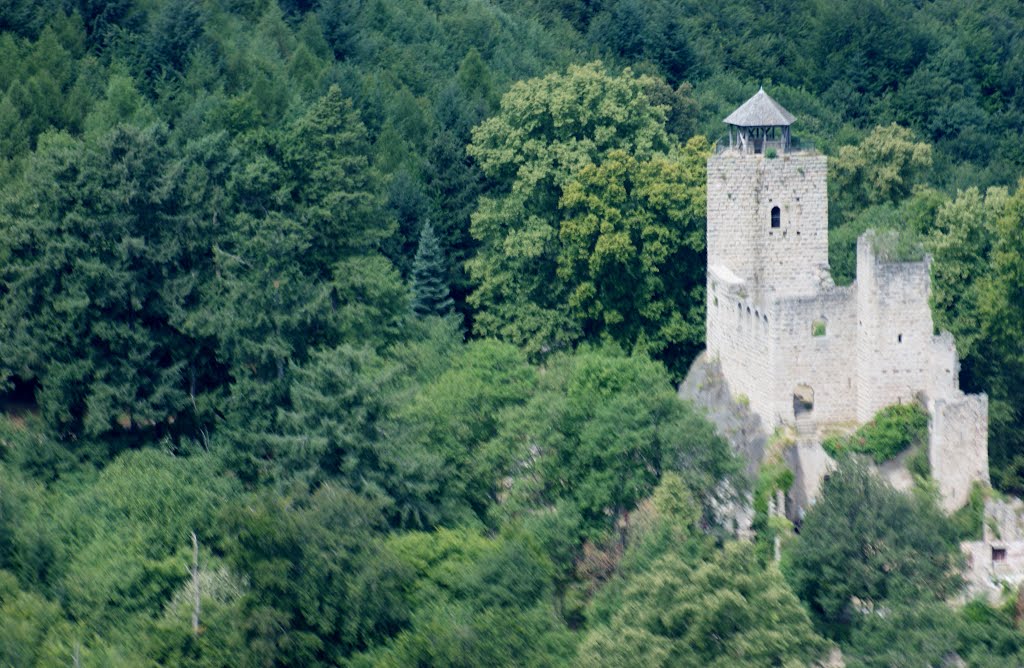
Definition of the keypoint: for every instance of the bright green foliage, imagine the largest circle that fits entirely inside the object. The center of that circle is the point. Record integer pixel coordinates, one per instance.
(1000, 358)
(882, 168)
(429, 287)
(976, 275)
(475, 601)
(893, 429)
(29, 548)
(599, 433)
(960, 243)
(929, 634)
(26, 444)
(668, 523)
(316, 588)
(596, 226)
(896, 245)
(462, 636)
(126, 535)
(910, 222)
(773, 477)
(969, 518)
(221, 642)
(730, 611)
(209, 215)
(31, 625)
(453, 417)
(864, 539)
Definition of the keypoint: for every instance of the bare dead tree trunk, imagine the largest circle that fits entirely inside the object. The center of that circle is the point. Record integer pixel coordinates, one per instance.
(195, 584)
(76, 660)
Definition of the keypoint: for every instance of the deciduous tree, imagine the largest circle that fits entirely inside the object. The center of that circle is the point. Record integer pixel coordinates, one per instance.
(596, 225)
(864, 540)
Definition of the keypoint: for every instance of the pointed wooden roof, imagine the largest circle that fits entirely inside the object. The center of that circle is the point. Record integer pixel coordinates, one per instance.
(760, 111)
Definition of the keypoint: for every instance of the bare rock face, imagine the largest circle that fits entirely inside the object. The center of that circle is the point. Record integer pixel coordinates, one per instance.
(705, 386)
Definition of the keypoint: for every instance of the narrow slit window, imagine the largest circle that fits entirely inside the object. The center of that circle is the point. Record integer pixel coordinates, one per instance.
(776, 217)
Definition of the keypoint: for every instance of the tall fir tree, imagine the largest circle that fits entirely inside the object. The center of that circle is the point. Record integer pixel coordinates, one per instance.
(430, 290)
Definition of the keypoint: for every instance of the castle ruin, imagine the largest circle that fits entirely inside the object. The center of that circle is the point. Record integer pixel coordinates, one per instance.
(803, 351)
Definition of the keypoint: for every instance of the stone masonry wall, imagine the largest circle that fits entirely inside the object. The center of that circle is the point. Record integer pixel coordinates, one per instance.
(742, 190)
(823, 363)
(738, 336)
(944, 382)
(895, 339)
(958, 446)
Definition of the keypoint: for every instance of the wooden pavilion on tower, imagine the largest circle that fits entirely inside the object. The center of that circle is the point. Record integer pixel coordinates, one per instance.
(760, 124)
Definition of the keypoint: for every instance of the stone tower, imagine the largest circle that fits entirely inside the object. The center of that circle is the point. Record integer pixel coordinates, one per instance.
(767, 204)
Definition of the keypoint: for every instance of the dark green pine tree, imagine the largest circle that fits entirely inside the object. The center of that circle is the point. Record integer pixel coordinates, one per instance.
(430, 290)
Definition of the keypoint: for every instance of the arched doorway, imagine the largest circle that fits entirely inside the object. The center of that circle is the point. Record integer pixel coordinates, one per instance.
(803, 400)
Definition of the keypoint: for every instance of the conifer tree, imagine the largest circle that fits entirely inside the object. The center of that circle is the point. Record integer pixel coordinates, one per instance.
(430, 290)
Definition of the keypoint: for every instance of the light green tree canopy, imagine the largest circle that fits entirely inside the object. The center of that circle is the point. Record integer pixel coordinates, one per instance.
(882, 168)
(864, 539)
(596, 225)
(599, 433)
(729, 611)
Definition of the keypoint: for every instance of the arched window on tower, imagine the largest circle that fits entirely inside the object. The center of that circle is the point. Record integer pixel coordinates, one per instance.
(776, 217)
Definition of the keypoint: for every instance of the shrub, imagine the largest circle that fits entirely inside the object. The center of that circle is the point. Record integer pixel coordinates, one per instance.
(892, 430)
(773, 476)
(969, 519)
(918, 464)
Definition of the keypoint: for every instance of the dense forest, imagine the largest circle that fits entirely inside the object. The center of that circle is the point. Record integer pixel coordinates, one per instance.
(345, 332)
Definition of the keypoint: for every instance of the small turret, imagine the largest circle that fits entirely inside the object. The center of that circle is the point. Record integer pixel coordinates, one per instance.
(760, 124)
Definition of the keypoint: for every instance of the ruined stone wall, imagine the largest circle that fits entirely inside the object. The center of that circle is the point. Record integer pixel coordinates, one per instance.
(742, 190)
(958, 446)
(1004, 521)
(824, 363)
(738, 336)
(997, 559)
(944, 382)
(766, 352)
(895, 341)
